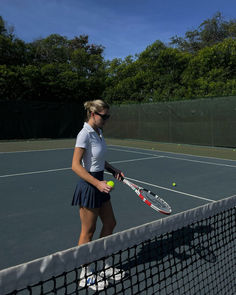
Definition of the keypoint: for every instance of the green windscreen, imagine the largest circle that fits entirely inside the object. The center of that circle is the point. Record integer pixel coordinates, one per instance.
(200, 121)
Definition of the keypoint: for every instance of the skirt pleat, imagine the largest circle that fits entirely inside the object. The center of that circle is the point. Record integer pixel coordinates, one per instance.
(87, 195)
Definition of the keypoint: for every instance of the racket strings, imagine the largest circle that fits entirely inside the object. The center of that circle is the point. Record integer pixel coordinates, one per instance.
(155, 200)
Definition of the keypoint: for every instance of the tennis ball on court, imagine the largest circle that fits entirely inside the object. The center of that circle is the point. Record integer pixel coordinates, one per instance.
(111, 183)
(174, 184)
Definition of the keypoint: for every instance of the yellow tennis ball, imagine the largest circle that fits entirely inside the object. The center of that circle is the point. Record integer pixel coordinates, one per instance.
(174, 184)
(111, 183)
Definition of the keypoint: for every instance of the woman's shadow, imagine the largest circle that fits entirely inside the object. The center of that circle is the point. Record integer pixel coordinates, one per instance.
(181, 244)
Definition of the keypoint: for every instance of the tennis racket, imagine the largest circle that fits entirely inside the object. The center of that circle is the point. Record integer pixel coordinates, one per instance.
(149, 198)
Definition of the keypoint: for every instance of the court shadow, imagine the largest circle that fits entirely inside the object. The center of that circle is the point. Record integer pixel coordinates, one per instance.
(190, 243)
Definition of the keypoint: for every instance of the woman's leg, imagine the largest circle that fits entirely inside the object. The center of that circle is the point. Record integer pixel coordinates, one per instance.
(109, 222)
(88, 219)
(108, 219)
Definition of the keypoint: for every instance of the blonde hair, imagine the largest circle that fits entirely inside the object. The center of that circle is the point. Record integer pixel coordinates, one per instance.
(96, 105)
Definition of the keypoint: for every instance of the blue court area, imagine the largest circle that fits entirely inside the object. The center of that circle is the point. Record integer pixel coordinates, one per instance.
(36, 187)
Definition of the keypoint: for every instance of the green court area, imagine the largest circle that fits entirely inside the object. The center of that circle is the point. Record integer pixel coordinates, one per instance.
(189, 252)
(205, 151)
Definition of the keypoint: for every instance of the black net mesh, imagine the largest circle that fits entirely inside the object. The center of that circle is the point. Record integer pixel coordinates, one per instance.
(199, 258)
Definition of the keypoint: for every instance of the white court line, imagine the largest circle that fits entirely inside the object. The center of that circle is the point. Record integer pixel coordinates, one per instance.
(168, 152)
(161, 187)
(62, 169)
(183, 159)
(30, 151)
(202, 162)
(134, 152)
(133, 160)
(168, 189)
(35, 172)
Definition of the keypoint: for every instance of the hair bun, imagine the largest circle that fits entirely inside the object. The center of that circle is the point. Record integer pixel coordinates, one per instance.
(96, 105)
(87, 105)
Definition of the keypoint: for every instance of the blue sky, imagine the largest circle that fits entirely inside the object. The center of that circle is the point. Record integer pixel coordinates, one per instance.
(123, 27)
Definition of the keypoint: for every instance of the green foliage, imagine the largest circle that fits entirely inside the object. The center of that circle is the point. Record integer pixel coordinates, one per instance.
(162, 73)
(9, 81)
(12, 52)
(57, 69)
(52, 49)
(209, 33)
(210, 71)
(155, 75)
(53, 69)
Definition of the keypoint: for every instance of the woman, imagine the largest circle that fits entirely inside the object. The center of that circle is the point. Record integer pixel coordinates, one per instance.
(92, 192)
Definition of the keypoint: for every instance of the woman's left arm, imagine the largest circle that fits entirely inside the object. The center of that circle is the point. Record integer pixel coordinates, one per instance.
(118, 174)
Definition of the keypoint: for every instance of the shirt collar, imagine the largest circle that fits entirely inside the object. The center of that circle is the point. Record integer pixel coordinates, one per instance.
(89, 128)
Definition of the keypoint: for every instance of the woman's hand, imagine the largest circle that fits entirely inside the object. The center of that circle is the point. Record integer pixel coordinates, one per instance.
(118, 174)
(103, 187)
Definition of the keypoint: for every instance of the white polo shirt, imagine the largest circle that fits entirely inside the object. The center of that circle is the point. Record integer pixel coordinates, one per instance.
(95, 148)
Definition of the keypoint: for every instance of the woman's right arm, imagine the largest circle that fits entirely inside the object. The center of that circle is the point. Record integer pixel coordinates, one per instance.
(82, 172)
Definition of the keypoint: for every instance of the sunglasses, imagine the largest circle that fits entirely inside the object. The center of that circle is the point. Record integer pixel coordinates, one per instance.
(104, 117)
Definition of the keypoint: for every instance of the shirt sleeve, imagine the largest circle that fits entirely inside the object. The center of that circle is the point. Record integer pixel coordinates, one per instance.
(82, 140)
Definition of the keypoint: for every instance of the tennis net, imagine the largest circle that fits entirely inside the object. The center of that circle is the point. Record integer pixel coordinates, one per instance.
(193, 252)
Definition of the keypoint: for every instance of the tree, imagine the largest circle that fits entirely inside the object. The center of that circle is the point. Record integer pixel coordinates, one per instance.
(52, 49)
(81, 42)
(6, 30)
(55, 68)
(210, 32)
(212, 71)
(3, 30)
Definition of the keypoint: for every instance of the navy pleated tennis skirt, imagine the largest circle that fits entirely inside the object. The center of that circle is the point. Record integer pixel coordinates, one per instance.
(87, 195)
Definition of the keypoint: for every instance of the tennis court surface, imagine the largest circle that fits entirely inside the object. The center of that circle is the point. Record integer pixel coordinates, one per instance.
(193, 251)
